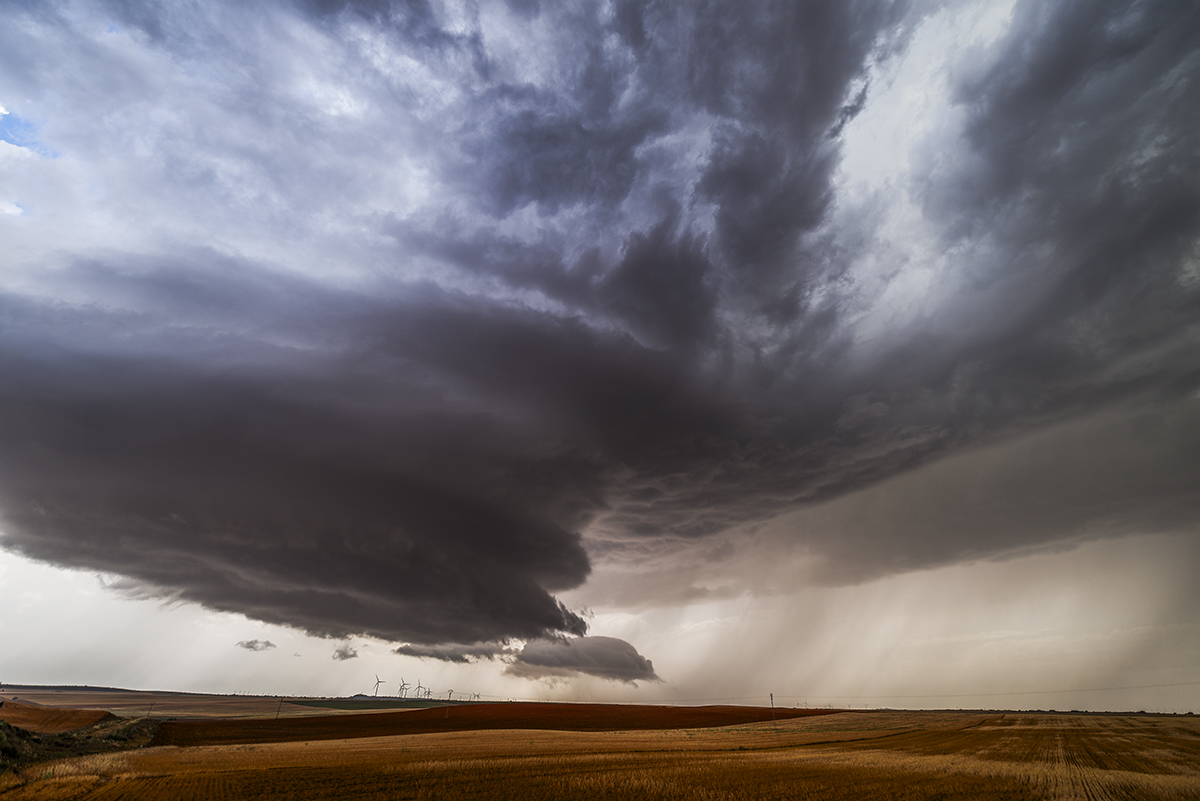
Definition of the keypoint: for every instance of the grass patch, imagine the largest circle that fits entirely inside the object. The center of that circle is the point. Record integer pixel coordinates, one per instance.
(20, 748)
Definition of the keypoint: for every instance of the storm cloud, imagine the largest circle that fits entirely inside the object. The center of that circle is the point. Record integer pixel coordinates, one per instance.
(453, 652)
(389, 319)
(554, 660)
(603, 657)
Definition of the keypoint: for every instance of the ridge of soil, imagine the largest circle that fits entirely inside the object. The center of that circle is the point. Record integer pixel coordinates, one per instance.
(469, 717)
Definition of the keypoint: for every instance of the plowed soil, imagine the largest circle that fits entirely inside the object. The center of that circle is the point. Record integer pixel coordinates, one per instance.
(468, 717)
(48, 720)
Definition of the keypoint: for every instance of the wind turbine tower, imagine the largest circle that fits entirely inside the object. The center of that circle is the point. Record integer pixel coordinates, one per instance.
(378, 681)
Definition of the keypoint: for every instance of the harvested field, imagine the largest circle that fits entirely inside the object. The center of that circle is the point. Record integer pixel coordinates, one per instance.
(894, 755)
(468, 717)
(48, 720)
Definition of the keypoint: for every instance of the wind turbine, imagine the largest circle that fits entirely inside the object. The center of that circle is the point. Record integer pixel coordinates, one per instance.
(378, 681)
(403, 687)
(417, 689)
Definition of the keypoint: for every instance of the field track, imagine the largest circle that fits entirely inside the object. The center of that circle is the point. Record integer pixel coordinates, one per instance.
(469, 717)
(48, 720)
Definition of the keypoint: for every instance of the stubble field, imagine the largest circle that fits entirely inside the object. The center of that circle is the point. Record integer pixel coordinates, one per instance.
(885, 755)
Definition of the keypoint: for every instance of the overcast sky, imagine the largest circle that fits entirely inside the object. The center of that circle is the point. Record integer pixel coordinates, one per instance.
(843, 350)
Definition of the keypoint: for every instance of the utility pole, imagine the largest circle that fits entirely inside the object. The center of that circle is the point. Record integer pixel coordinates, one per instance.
(772, 707)
(278, 708)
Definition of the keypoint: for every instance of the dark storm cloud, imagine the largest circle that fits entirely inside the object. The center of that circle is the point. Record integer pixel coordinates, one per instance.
(764, 84)
(603, 657)
(256, 645)
(453, 652)
(625, 299)
(311, 491)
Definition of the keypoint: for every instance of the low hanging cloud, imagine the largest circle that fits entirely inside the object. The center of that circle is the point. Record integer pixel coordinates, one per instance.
(454, 652)
(344, 652)
(602, 657)
(256, 645)
(555, 660)
(589, 279)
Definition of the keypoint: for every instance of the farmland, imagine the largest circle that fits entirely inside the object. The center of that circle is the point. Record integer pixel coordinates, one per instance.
(505, 751)
(135, 703)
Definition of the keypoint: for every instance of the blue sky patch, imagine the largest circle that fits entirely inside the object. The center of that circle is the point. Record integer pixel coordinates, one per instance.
(23, 133)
